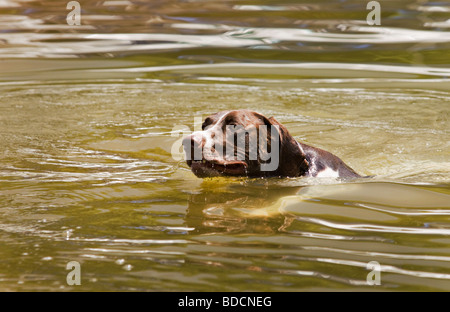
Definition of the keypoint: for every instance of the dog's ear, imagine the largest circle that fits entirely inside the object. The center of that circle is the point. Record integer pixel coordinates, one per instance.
(293, 161)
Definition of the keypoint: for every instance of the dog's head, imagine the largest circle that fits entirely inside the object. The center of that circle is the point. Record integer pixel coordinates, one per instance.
(243, 143)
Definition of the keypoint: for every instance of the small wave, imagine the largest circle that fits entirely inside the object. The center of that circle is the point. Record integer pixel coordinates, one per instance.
(101, 168)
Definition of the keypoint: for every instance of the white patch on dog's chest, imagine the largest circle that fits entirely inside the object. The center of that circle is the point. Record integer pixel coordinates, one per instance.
(328, 173)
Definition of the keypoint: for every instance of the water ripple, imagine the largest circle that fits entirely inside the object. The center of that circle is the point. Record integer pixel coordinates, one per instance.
(375, 228)
(100, 167)
(301, 69)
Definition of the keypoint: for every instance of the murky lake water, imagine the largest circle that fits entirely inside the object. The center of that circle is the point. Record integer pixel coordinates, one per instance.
(89, 118)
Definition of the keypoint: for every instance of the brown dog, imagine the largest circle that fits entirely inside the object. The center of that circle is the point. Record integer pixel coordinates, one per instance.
(246, 143)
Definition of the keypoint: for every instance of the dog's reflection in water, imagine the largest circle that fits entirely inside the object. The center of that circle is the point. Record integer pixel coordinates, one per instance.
(237, 209)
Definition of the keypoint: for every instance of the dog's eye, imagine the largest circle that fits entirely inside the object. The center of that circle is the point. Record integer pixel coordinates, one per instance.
(206, 123)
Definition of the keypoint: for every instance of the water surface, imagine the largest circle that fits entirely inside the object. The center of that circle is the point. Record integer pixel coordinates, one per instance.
(91, 115)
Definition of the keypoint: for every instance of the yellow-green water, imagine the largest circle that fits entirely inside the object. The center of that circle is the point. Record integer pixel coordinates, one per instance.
(89, 118)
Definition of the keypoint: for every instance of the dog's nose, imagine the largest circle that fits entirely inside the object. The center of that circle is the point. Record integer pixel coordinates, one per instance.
(192, 145)
(193, 140)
